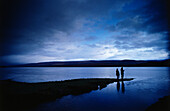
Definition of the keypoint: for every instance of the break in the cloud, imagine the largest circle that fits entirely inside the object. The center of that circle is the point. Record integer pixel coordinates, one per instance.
(56, 30)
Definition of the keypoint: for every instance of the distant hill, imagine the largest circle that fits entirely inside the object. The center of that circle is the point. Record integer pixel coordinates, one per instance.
(102, 63)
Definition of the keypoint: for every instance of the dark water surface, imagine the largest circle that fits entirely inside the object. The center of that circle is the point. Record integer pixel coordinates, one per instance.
(150, 83)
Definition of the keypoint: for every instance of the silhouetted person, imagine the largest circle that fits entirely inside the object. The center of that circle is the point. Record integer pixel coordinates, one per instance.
(123, 87)
(117, 73)
(122, 72)
(118, 86)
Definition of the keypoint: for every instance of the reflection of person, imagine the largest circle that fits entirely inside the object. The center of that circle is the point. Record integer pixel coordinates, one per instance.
(123, 87)
(118, 86)
(117, 73)
(122, 72)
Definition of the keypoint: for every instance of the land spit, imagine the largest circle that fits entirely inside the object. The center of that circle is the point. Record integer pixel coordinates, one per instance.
(22, 96)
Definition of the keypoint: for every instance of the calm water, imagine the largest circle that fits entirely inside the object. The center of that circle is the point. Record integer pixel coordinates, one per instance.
(150, 83)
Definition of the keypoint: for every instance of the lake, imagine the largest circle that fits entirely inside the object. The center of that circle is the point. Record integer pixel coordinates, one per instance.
(150, 84)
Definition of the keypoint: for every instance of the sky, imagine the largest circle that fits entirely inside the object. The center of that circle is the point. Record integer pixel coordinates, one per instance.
(73, 30)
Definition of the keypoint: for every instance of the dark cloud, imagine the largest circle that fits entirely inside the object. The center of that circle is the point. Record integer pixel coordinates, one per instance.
(151, 18)
(90, 38)
(34, 20)
(93, 46)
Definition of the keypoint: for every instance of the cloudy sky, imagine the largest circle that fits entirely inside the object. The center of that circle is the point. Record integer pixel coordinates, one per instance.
(64, 30)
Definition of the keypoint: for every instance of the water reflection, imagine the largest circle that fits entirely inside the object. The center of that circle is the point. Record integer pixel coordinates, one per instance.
(118, 86)
(122, 86)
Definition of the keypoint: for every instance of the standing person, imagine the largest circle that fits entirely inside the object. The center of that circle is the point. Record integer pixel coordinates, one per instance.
(122, 72)
(117, 73)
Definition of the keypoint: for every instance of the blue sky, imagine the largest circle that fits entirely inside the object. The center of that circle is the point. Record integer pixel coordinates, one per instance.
(66, 30)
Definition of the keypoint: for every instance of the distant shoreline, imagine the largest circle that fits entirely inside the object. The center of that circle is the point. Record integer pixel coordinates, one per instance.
(102, 63)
